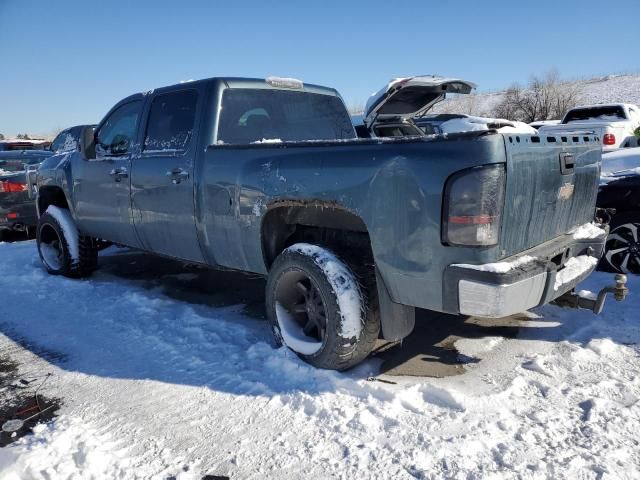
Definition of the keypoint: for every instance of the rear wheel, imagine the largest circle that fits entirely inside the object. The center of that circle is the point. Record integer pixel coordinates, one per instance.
(62, 250)
(622, 249)
(318, 308)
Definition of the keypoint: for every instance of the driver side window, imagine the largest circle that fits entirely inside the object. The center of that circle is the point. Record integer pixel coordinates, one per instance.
(117, 133)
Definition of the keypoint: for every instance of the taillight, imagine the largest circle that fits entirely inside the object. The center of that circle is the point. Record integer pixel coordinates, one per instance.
(12, 187)
(608, 139)
(473, 202)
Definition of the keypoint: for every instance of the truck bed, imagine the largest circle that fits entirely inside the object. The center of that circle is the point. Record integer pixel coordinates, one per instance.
(395, 186)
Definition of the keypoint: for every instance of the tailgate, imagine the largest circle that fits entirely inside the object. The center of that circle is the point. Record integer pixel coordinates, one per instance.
(545, 197)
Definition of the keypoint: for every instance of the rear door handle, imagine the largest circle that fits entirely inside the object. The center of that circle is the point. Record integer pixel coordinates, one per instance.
(119, 173)
(177, 175)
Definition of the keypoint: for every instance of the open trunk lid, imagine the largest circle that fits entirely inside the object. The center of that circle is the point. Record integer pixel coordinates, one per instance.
(406, 98)
(552, 187)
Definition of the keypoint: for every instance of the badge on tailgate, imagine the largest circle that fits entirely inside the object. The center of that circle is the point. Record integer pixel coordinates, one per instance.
(566, 190)
(567, 165)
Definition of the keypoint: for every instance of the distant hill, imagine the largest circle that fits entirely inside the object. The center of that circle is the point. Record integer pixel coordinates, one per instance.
(609, 89)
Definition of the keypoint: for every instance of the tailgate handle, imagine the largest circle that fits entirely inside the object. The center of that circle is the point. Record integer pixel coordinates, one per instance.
(567, 163)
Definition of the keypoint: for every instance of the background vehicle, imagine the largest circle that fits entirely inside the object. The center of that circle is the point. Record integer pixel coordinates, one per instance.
(17, 168)
(15, 144)
(267, 176)
(17, 206)
(620, 190)
(400, 110)
(613, 123)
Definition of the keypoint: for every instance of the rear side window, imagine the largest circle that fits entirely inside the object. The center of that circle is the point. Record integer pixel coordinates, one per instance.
(171, 121)
(264, 115)
(118, 131)
(605, 113)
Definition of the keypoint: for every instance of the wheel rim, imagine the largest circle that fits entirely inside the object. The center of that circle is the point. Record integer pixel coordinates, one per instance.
(301, 312)
(623, 249)
(50, 246)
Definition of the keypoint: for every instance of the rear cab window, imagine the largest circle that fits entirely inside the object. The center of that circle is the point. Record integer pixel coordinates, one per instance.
(611, 113)
(270, 116)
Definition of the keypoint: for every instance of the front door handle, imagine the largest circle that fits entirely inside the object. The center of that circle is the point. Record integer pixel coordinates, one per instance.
(119, 173)
(177, 175)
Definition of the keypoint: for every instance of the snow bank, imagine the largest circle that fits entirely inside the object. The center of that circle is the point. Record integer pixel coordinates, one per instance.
(498, 267)
(343, 284)
(65, 448)
(155, 387)
(574, 267)
(477, 347)
(69, 228)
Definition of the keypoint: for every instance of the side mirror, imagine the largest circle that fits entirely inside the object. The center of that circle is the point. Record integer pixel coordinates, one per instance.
(87, 143)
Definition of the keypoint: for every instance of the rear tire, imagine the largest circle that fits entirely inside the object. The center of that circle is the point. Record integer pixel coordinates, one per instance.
(318, 308)
(56, 244)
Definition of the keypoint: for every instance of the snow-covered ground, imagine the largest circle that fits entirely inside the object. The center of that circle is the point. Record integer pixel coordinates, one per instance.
(608, 89)
(154, 387)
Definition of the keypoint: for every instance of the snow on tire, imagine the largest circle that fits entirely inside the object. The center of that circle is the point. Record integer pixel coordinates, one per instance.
(62, 250)
(318, 309)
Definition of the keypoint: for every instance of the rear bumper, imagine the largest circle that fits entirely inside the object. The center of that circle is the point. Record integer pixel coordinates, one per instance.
(536, 277)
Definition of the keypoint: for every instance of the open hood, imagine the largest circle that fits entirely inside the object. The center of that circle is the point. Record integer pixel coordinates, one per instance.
(411, 96)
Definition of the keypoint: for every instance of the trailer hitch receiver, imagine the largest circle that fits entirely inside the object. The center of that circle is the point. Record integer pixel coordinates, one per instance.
(595, 303)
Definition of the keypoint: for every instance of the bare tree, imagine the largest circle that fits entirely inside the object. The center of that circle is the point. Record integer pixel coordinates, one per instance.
(1, 136)
(545, 98)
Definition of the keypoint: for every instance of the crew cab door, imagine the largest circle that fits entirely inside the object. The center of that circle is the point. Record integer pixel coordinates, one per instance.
(162, 180)
(101, 180)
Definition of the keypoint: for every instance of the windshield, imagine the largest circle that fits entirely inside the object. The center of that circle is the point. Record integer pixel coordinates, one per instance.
(605, 113)
(271, 116)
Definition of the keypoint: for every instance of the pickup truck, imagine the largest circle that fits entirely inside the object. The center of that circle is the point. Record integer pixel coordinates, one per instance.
(613, 123)
(267, 176)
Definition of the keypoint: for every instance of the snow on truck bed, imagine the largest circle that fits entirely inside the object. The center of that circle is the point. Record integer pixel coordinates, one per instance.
(153, 387)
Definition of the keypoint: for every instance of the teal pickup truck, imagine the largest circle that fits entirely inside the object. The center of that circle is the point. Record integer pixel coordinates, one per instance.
(267, 176)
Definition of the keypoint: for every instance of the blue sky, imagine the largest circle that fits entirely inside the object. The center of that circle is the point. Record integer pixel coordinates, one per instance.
(67, 62)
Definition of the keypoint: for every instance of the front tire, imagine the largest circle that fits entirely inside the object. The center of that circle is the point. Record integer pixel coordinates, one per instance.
(318, 308)
(62, 250)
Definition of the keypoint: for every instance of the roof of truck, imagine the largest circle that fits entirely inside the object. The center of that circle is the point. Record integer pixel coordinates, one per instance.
(246, 82)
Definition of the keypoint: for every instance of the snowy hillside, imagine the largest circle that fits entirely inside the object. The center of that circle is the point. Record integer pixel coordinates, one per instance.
(153, 386)
(612, 88)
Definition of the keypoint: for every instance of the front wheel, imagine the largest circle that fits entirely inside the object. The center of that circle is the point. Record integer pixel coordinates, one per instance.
(62, 250)
(318, 309)
(622, 249)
